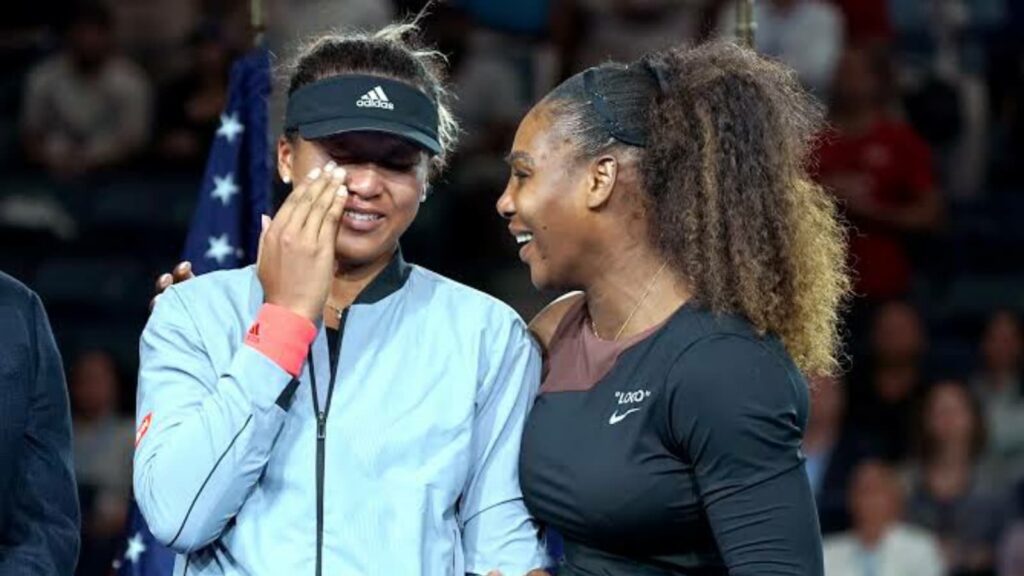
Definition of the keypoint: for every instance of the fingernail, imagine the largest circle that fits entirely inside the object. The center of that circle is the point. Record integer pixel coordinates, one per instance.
(330, 166)
(342, 190)
(165, 279)
(339, 173)
(265, 221)
(185, 265)
(314, 173)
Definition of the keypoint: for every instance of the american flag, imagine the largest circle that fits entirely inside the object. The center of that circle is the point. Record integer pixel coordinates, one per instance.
(236, 185)
(224, 234)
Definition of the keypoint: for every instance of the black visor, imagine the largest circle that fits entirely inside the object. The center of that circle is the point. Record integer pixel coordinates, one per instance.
(361, 103)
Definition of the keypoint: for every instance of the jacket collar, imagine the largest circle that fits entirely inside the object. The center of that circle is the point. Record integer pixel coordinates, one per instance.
(390, 280)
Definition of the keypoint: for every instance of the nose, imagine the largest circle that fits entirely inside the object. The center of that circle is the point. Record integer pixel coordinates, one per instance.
(364, 180)
(505, 205)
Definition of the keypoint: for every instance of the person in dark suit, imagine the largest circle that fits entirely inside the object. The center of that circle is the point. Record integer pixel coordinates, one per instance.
(39, 515)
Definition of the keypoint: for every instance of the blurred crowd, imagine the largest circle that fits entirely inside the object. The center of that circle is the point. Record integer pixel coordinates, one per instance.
(915, 452)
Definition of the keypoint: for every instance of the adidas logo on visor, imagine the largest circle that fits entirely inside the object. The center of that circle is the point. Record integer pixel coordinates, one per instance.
(375, 98)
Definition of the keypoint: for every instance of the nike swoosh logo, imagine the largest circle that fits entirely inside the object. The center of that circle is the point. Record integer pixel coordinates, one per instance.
(615, 418)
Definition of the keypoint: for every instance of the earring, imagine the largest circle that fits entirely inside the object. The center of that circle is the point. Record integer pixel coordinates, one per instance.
(286, 179)
(423, 195)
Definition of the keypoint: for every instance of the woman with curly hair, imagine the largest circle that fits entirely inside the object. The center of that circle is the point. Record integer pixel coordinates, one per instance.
(672, 194)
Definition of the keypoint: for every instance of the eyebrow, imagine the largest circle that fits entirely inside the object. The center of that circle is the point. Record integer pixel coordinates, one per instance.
(521, 157)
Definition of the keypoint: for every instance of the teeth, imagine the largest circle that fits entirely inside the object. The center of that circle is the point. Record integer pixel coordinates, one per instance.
(523, 238)
(361, 217)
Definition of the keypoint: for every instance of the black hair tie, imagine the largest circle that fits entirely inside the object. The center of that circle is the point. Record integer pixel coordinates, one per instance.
(657, 73)
(605, 110)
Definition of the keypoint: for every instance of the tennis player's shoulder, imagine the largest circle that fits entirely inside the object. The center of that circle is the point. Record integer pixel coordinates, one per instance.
(213, 291)
(546, 321)
(432, 285)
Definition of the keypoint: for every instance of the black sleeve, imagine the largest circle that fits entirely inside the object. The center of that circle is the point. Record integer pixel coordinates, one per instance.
(43, 534)
(737, 413)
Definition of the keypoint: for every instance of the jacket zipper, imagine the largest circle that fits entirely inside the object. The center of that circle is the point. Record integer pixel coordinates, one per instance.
(455, 550)
(321, 439)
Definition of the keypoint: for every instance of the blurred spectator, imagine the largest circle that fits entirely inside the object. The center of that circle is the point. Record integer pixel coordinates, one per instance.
(25, 36)
(833, 450)
(867, 21)
(28, 211)
(151, 32)
(888, 379)
(880, 544)
(103, 447)
(1000, 386)
(805, 34)
(296, 19)
(86, 108)
(941, 63)
(950, 496)
(493, 93)
(624, 30)
(881, 171)
(527, 17)
(510, 60)
(947, 32)
(506, 60)
(1011, 552)
(189, 108)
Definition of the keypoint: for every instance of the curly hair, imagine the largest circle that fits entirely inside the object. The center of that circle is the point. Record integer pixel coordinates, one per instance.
(393, 52)
(729, 200)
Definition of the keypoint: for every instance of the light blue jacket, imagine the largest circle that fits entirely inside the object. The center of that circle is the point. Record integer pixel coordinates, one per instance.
(419, 448)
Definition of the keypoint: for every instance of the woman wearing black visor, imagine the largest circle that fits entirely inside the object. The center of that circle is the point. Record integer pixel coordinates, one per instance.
(333, 409)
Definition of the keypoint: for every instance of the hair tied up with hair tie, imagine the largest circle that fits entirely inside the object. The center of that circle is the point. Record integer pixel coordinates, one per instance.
(656, 72)
(593, 81)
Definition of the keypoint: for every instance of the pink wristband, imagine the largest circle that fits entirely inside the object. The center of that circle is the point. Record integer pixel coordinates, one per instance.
(283, 336)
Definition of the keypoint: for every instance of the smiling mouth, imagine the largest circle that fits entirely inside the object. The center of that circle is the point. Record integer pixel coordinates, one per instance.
(362, 216)
(524, 238)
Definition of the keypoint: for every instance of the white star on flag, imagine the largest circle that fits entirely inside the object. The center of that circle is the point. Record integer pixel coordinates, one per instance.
(230, 126)
(135, 548)
(224, 188)
(219, 248)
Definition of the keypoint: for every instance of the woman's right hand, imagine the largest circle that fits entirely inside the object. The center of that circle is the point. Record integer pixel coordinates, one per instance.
(304, 194)
(180, 273)
(296, 259)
